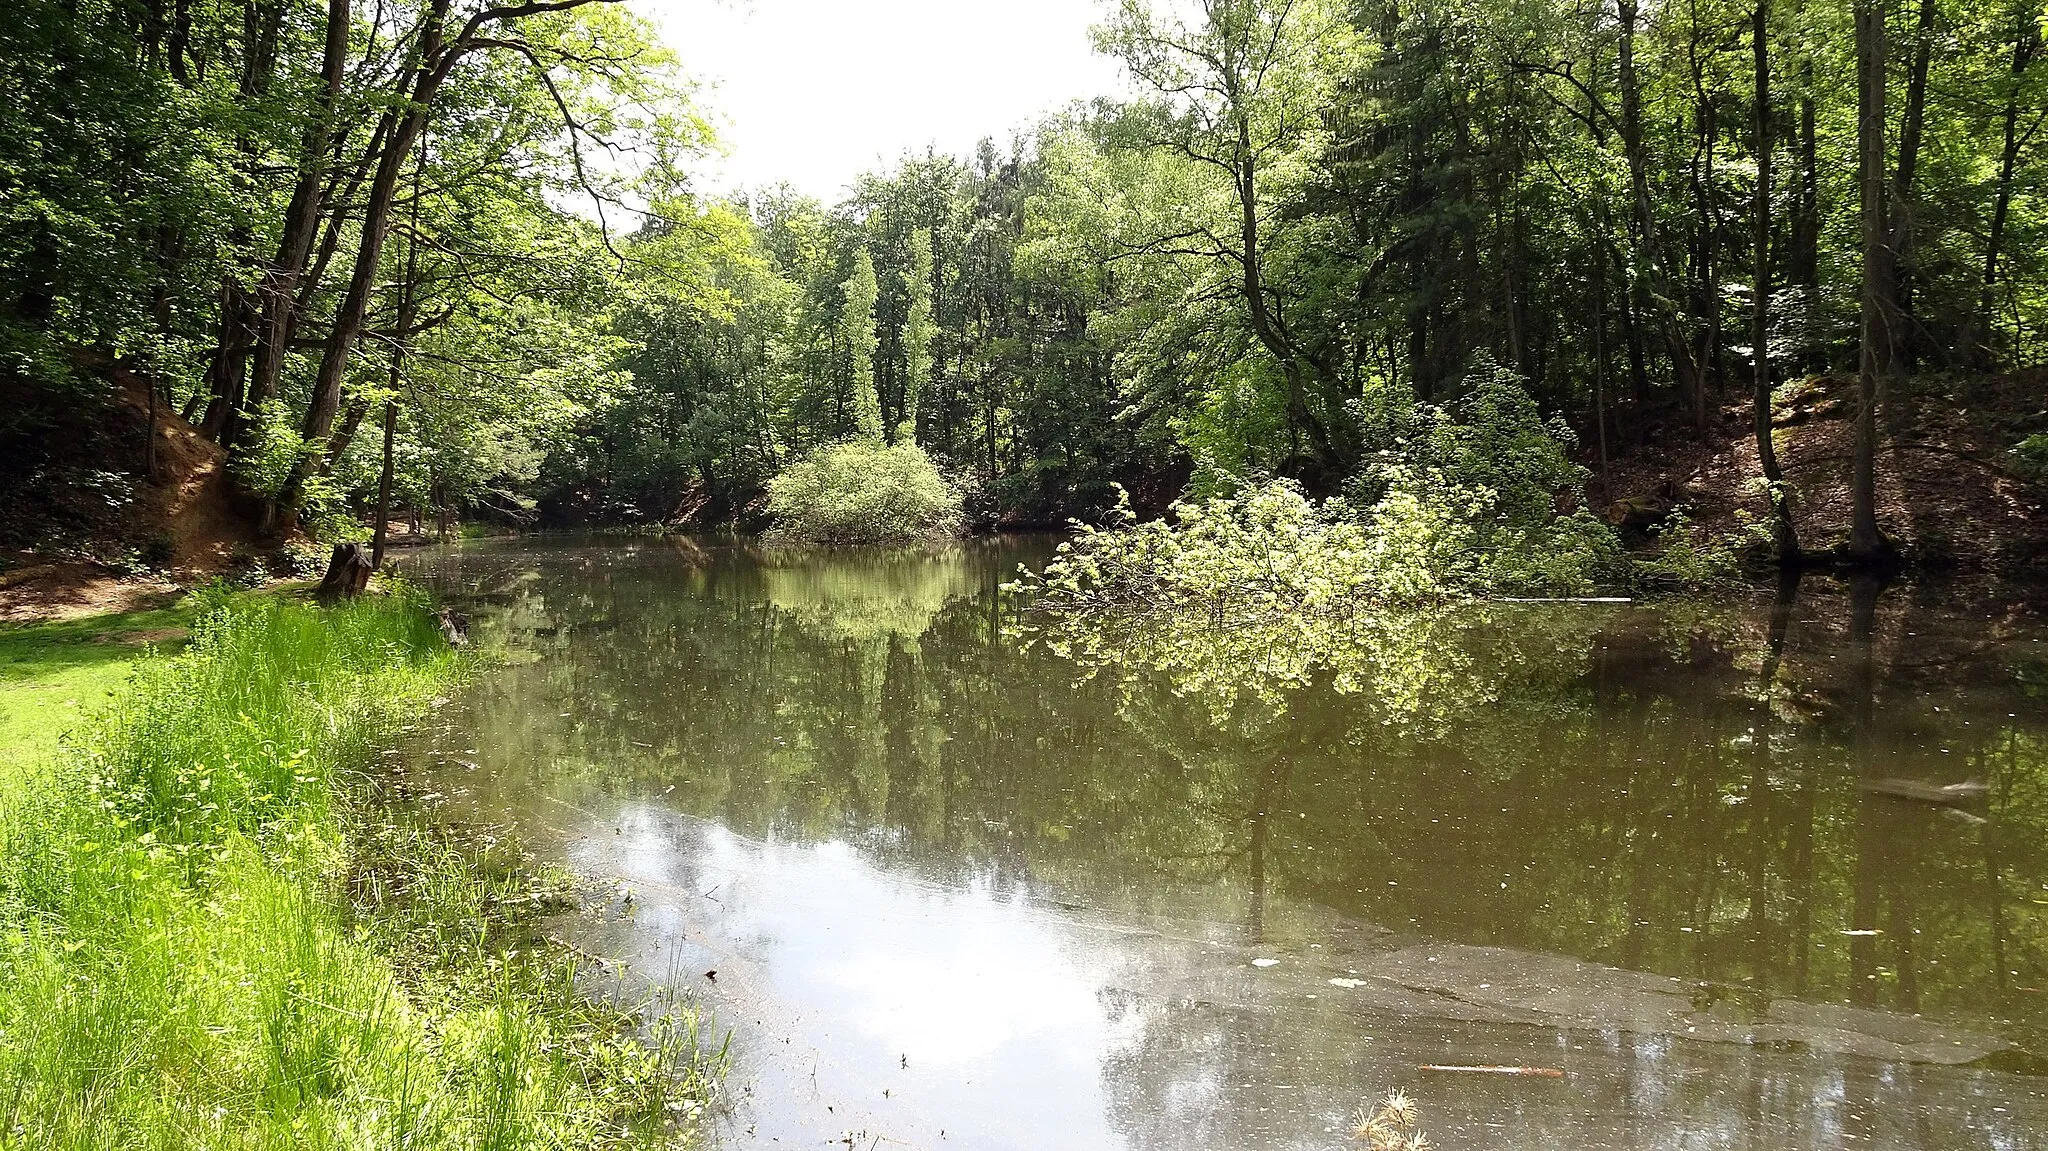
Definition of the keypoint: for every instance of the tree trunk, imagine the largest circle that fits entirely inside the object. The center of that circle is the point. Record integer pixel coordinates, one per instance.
(1299, 416)
(278, 292)
(341, 193)
(2023, 50)
(1803, 265)
(344, 434)
(1901, 208)
(1710, 269)
(1782, 529)
(1707, 286)
(378, 536)
(149, 439)
(348, 573)
(408, 304)
(227, 370)
(1600, 367)
(1877, 358)
(1650, 296)
(424, 81)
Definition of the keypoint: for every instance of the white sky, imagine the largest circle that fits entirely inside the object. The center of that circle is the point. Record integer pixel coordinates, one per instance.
(814, 92)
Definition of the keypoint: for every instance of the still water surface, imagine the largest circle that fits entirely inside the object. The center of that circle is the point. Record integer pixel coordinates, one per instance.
(960, 890)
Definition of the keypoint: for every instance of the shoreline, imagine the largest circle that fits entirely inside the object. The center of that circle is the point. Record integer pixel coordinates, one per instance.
(322, 941)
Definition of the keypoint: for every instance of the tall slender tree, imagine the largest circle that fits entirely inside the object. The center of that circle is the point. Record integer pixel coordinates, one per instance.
(919, 332)
(1878, 326)
(1784, 533)
(857, 332)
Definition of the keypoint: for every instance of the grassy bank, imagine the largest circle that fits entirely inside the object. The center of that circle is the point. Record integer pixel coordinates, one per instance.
(209, 936)
(54, 675)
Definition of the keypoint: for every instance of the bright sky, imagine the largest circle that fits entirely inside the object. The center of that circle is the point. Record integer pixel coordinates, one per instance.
(815, 92)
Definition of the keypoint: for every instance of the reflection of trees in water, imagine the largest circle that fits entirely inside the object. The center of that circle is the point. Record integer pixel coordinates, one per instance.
(1205, 1074)
(1425, 669)
(1672, 790)
(861, 594)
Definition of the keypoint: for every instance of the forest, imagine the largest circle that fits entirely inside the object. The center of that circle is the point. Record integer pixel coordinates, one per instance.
(1387, 524)
(447, 256)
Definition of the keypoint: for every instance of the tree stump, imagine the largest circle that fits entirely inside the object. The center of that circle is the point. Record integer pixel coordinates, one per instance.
(1639, 512)
(348, 573)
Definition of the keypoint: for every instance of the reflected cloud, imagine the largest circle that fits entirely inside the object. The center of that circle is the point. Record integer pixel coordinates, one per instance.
(1040, 871)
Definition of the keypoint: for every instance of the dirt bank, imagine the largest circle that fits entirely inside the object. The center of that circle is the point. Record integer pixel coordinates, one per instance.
(1949, 492)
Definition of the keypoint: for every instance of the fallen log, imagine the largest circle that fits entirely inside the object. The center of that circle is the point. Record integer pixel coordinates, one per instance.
(1921, 791)
(1639, 512)
(1648, 510)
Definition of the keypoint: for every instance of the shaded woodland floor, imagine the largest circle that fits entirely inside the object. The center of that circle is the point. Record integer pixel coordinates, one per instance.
(1949, 495)
(94, 521)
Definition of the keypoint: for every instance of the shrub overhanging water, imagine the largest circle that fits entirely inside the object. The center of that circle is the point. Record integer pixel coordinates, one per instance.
(1469, 502)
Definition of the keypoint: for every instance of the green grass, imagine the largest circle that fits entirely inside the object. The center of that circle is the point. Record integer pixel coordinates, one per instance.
(54, 675)
(210, 937)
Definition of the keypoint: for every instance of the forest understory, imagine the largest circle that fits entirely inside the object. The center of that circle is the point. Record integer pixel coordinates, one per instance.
(1950, 494)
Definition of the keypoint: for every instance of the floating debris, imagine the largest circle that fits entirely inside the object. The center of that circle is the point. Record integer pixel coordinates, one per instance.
(1921, 791)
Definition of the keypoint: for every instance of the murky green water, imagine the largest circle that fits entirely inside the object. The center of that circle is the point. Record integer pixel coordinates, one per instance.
(960, 891)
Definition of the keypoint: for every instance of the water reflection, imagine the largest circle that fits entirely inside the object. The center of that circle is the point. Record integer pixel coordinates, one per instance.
(1041, 868)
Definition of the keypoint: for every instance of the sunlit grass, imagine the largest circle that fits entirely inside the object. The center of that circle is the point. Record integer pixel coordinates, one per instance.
(54, 675)
(208, 939)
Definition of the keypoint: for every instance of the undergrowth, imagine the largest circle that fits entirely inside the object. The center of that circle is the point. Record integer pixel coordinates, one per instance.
(1472, 502)
(208, 936)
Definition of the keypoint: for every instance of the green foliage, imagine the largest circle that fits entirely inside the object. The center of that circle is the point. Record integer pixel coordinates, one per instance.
(919, 330)
(180, 959)
(1685, 555)
(1483, 485)
(272, 447)
(1312, 214)
(300, 561)
(1470, 507)
(863, 491)
(104, 168)
(857, 332)
(2031, 456)
(1414, 196)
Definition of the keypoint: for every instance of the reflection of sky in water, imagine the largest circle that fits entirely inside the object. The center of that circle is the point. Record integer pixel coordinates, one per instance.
(991, 1007)
(947, 976)
(830, 782)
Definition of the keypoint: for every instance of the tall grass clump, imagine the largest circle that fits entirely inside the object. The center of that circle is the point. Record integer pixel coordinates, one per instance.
(863, 491)
(208, 939)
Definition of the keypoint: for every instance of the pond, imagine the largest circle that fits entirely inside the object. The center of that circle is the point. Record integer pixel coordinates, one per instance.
(949, 887)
